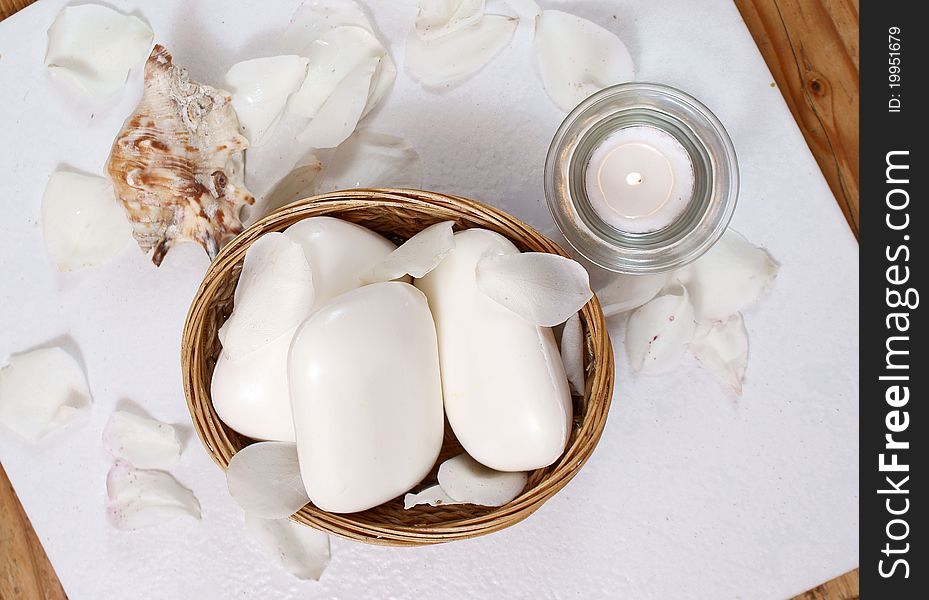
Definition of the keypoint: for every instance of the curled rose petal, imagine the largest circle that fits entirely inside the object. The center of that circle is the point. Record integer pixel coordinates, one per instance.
(371, 159)
(83, 223)
(722, 349)
(454, 57)
(729, 278)
(300, 550)
(468, 481)
(544, 289)
(334, 56)
(260, 89)
(432, 495)
(441, 17)
(576, 58)
(572, 353)
(40, 391)
(658, 332)
(94, 47)
(626, 292)
(264, 479)
(138, 498)
(146, 443)
(274, 294)
(417, 256)
(337, 118)
(383, 79)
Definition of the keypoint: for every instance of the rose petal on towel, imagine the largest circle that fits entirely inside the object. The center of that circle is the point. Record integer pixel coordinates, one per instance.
(626, 292)
(544, 289)
(94, 47)
(339, 115)
(722, 349)
(314, 18)
(139, 498)
(370, 159)
(468, 481)
(442, 17)
(658, 332)
(146, 443)
(576, 57)
(383, 79)
(260, 89)
(729, 278)
(454, 57)
(40, 391)
(296, 185)
(274, 294)
(300, 550)
(572, 353)
(83, 223)
(338, 53)
(264, 479)
(433, 496)
(417, 256)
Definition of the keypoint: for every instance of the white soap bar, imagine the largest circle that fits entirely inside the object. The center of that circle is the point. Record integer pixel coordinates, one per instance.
(506, 394)
(339, 252)
(367, 397)
(250, 393)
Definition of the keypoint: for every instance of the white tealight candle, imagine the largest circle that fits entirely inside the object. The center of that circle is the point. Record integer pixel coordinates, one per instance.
(639, 179)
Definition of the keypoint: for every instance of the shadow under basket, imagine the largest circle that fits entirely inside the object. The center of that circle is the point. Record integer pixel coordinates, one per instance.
(396, 214)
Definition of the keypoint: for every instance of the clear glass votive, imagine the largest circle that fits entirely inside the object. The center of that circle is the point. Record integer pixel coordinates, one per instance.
(697, 226)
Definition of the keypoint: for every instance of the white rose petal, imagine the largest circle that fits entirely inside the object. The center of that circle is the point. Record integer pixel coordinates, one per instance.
(417, 256)
(138, 498)
(94, 47)
(40, 391)
(264, 479)
(722, 349)
(658, 333)
(454, 57)
(83, 222)
(468, 481)
(572, 353)
(576, 58)
(300, 550)
(729, 278)
(544, 289)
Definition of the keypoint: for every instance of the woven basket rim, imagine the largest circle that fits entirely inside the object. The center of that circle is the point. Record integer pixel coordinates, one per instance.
(221, 442)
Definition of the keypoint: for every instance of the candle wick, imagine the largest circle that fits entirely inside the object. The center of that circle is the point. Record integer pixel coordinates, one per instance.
(634, 178)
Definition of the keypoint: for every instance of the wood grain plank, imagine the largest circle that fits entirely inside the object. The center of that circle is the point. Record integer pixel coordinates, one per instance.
(25, 573)
(8, 7)
(811, 48)
(844, 587)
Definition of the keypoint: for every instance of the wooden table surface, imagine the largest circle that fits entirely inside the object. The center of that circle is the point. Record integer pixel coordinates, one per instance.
(811, 47)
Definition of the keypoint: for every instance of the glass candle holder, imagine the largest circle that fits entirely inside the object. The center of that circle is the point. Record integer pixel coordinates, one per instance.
(692, 228)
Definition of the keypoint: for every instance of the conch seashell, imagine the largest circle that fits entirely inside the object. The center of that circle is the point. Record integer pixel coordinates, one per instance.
(177, 164)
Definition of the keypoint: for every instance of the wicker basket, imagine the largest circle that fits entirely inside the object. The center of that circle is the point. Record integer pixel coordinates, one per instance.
(396, 214)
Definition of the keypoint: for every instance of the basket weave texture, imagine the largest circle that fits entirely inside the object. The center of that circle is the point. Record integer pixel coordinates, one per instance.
(396, 214)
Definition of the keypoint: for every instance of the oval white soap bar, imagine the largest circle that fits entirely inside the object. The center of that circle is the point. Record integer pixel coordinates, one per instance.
(506, 394)
(367, 397)
(250, 393)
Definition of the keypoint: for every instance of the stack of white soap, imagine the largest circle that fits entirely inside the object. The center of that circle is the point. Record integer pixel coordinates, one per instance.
(354, 373)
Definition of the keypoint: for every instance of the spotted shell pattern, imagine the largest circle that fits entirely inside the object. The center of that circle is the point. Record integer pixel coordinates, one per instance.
(177, 164)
